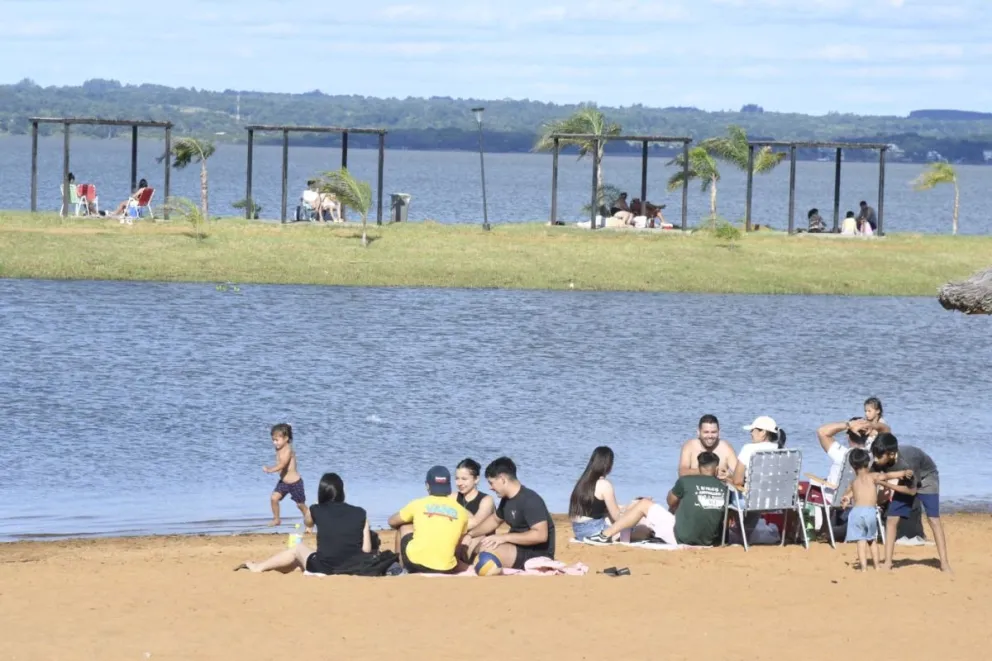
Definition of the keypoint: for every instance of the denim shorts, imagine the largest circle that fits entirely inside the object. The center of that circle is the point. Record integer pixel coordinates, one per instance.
(583, 529)
(862, 524)
(902, 505)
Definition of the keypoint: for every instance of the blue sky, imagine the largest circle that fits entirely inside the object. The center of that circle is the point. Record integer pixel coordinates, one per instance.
(814, 56)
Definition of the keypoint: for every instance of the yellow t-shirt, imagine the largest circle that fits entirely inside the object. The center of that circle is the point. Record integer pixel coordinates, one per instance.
(439, 523)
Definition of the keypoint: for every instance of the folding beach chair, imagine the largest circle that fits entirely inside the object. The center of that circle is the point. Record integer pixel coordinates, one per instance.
(76, 199)
(826, 496)
(91, 199)
(143, 201)
(771, 485)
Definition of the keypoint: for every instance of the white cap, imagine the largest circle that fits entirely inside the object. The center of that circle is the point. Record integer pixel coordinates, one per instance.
(763, 422)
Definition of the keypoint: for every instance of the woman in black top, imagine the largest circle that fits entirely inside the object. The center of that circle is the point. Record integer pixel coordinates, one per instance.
(342, 535)
(593, 505)
(478, 504)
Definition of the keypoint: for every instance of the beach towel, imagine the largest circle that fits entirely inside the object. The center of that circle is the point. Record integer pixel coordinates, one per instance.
(548, 567)
(649, 544)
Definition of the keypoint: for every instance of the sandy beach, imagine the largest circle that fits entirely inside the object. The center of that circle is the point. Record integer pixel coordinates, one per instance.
(178, 598)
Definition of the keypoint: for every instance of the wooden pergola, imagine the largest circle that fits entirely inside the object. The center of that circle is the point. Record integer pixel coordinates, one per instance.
(286, 130)
(840, 147)
(67, 122)
(644, 140)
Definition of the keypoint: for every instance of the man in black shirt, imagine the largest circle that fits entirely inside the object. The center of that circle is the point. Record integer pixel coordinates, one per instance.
(532, 532)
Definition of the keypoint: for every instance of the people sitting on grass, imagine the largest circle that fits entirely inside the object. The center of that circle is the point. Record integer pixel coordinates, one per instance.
(429, 529)
(765, 436)
(867, 221)
(323, 206)
(532, 531)
(815, 220)
(593, 510)
(849, 227)
(695, 507)
(918, 480)
(343, 536)
(707, 440)
(620, 204)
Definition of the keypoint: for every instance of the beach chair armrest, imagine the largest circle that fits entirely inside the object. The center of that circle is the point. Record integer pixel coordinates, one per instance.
(819, 481)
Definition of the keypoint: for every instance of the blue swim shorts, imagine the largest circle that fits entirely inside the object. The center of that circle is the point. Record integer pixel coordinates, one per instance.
(902, 505)
(862, 524)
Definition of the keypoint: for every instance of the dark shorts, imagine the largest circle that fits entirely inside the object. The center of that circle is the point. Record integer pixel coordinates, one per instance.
(525, 553)
(313, 566)
(902, 505)
(294, 491)
(412, 567)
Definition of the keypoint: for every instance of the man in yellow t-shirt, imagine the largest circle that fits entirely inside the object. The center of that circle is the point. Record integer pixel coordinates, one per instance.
(428, 530)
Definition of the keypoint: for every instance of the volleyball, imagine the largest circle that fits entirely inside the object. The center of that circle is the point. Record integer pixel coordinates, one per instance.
(488, 565)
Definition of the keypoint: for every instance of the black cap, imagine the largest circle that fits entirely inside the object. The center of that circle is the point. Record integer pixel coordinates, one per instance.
(439, 481)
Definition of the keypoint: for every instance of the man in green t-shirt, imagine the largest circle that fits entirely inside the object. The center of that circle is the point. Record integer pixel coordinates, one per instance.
(698, 502)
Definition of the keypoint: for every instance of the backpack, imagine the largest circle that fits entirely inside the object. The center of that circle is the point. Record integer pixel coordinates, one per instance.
(368, 564)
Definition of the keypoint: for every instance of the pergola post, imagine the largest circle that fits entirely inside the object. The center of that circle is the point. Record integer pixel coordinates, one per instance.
(837, 190)
(344, 162)
(792, 189)
(134, 158)
(881, 188)
(554, 181)
(65, 172)
(595, 185)
(644, 171)
(685, 187)
(750, 188)
(251, 148)
(168, 171)
(285, 174)
(382, 162)
(34, 166)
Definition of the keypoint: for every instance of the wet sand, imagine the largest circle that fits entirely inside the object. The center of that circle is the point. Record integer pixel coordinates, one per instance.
(178, 598)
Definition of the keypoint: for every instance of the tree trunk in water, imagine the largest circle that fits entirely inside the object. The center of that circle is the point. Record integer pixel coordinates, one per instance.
(203, 190)
(713, 199)
(954, 227)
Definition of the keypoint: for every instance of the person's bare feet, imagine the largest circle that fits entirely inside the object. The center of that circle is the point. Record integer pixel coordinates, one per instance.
(946, 569)
(275, 522)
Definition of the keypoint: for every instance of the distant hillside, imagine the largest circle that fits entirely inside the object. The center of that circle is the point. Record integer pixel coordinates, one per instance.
(447, 123)
(952, 115)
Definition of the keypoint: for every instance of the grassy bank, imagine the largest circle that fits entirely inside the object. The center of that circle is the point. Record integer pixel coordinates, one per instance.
(510, 256)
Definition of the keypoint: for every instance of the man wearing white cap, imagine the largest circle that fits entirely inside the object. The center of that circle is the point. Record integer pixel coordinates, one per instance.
(765, 436)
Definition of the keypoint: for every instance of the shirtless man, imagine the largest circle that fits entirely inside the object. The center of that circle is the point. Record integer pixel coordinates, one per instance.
(708, 440)
(290, 481)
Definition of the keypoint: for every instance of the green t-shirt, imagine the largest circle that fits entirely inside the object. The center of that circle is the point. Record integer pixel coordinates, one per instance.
(699, 518)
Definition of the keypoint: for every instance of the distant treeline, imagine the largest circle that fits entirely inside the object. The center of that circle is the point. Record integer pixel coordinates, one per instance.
(438, 123)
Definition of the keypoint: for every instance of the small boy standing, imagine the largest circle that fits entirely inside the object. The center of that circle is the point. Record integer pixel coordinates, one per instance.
(918, 479)
(862, 522)
(290, 482)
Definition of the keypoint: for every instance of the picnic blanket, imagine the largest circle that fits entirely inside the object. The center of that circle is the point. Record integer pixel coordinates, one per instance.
(650, 544)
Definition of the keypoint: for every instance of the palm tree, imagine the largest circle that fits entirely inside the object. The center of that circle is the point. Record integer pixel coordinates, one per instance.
(188, 150)
(733, 149)
(350, 192)
(587, 120)
(702, 167)
(941, 173)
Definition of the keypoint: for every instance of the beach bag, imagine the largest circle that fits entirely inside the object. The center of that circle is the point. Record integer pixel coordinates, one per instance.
(368, 564)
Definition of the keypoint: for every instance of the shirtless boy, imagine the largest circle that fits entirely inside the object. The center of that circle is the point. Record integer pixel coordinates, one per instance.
(290, 482)
(707, 440)
(862, 523)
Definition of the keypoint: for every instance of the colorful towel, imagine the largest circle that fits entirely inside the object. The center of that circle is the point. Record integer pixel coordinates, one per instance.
(651, 545)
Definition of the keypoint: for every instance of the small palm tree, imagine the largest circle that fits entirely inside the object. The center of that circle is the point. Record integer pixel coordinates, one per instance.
(189, 212)
(936, 174)
(587, 121)
(189, 150)
(350, 192)
(733, 149)
(701, 167)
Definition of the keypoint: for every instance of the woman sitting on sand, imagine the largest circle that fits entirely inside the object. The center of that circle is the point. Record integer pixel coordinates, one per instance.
(480, 505)
(593, 505)
(765, 436)
(343, 536)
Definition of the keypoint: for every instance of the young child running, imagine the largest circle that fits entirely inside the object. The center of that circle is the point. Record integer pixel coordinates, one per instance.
(862, 524)
(290, 482)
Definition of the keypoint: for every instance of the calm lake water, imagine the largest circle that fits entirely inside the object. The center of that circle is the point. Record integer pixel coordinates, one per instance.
(138, 407)
(446, 185)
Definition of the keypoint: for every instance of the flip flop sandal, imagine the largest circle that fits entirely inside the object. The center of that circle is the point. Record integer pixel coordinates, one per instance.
(241, 566)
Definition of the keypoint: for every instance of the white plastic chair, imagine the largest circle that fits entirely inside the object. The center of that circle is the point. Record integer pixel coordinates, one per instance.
(771, 484)
(839, 489)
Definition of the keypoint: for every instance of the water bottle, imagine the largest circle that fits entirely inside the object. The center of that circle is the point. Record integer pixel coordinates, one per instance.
(294, 538)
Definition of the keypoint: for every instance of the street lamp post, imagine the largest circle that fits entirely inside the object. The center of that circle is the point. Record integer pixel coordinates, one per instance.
(482, 163)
